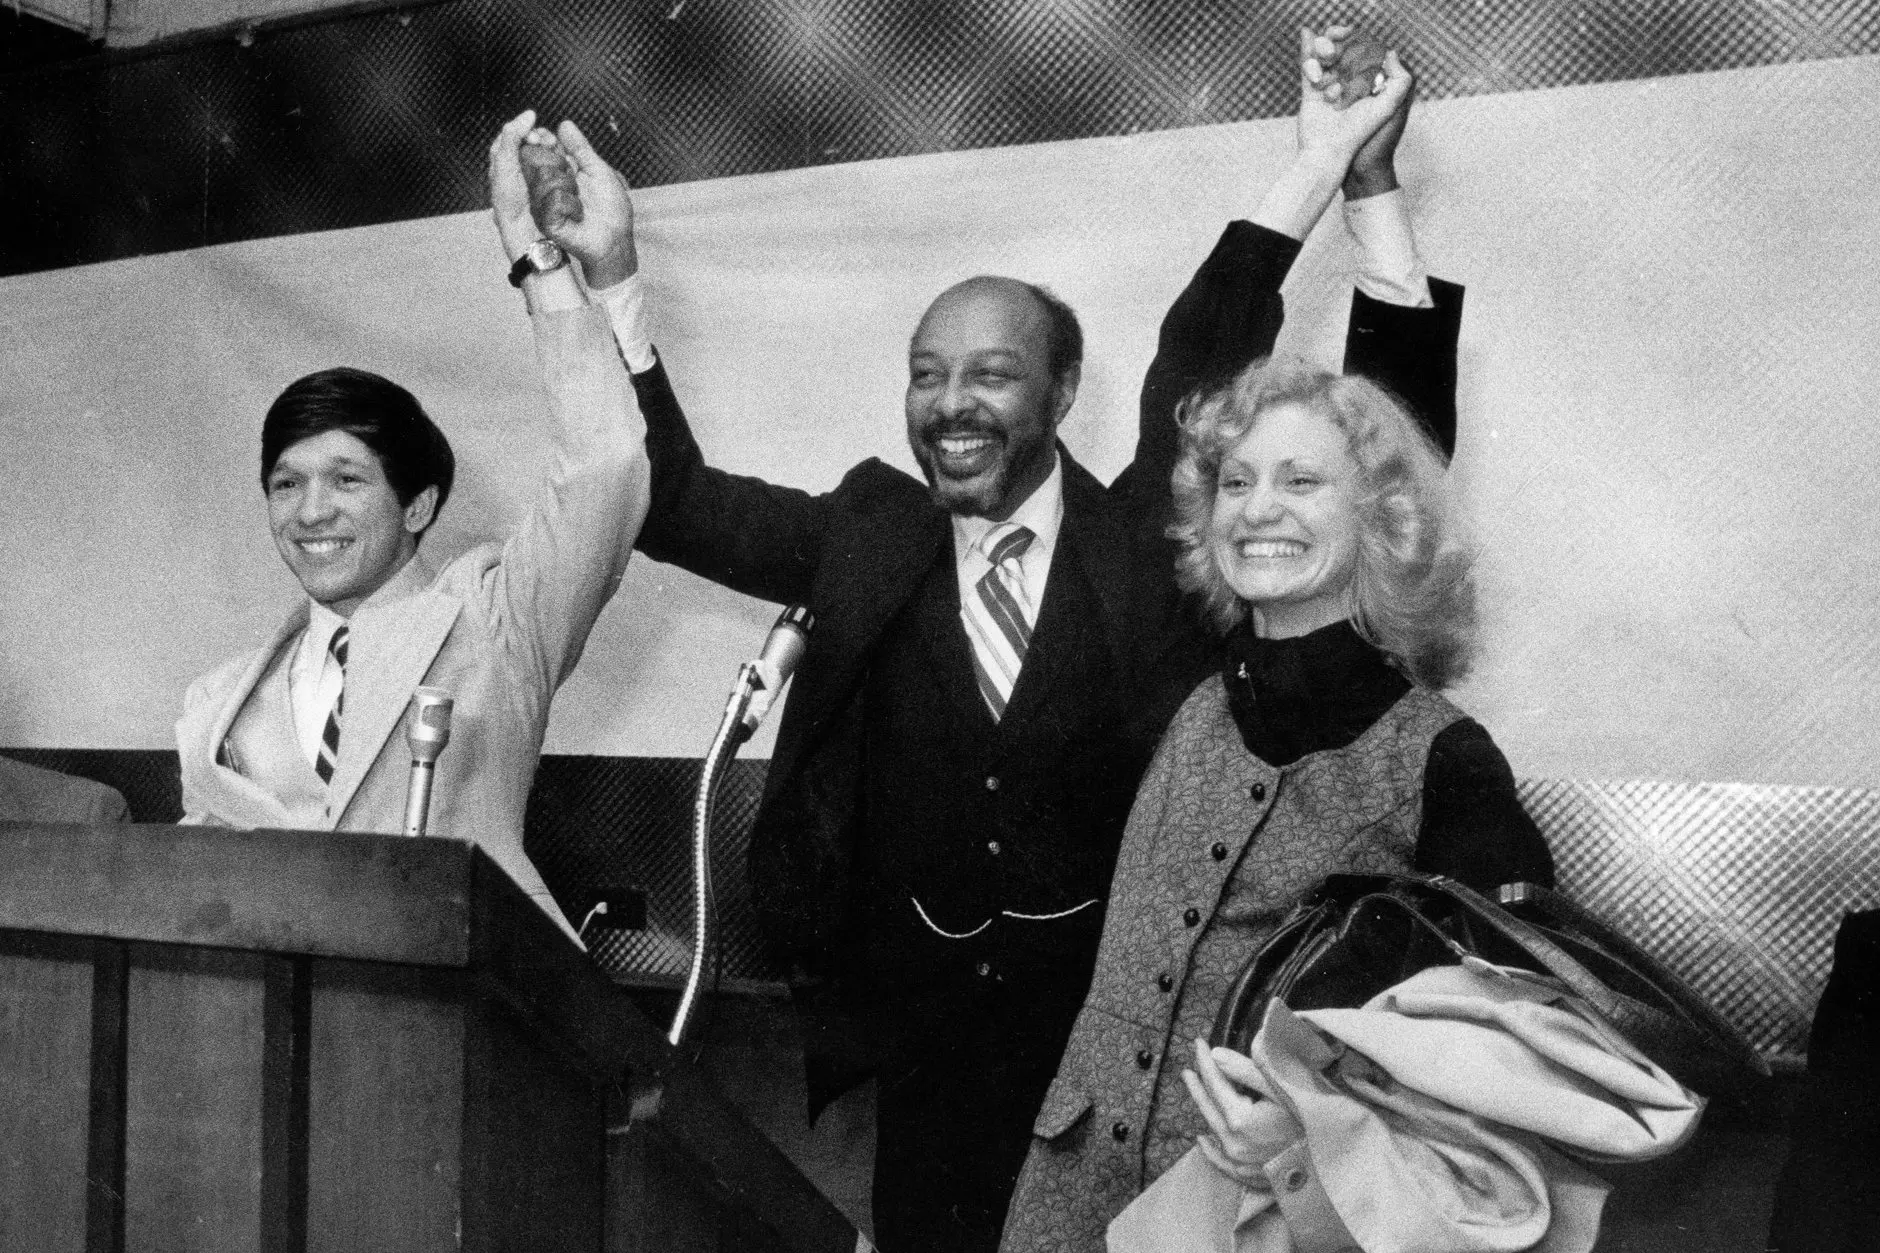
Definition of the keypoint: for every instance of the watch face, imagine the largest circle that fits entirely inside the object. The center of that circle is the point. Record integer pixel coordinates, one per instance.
(546, 254)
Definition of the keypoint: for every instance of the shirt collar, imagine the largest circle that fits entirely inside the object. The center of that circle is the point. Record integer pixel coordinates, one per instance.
(322, 623)
(1042, 513)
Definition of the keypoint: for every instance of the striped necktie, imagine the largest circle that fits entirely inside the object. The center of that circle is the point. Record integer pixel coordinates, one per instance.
(997, 619)
(329, 737)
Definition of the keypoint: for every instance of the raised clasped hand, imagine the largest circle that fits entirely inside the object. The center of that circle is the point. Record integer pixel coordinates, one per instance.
(1342, 102)
(595, 225)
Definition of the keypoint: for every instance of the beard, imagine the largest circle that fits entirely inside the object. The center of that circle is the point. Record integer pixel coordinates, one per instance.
(981, 485)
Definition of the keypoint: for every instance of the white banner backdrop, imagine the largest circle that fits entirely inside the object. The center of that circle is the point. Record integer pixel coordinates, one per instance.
(1667, 363)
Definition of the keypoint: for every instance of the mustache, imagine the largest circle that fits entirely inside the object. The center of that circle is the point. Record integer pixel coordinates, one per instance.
(936, 428)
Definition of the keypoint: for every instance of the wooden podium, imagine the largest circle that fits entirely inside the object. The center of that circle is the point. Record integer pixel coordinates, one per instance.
(264, 1040)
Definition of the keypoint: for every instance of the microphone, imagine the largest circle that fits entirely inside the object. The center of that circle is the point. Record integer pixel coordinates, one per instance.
(783, 648)
(757, 685)
(427, 731)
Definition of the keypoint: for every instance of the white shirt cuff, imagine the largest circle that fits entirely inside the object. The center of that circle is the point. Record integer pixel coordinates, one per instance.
(1389, 268)
(625, 303)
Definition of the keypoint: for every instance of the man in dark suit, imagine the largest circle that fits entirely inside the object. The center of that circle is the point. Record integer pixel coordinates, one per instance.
(996, 652)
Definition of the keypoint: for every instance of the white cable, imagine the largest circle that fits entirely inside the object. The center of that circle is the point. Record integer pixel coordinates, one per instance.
(1063, 913)
(935, 928)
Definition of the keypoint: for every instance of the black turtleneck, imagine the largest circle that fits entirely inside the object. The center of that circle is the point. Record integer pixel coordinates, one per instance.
(1321, 691)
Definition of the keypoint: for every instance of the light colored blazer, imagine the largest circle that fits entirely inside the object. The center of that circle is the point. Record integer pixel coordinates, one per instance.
(500, 628)
(35, 794)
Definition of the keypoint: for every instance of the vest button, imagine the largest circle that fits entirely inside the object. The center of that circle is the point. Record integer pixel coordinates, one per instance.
(992, 846)
(1120, 1132)
(1165, 981)
(1144, 1058)
(1257, 791)
(992, 783)
(1191, 916)
(984, 968)
(1218, 852)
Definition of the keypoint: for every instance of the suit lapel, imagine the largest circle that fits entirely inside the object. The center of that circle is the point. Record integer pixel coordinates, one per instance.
(238, 799)
(391, 648)
(869, 577)
(1096, 531)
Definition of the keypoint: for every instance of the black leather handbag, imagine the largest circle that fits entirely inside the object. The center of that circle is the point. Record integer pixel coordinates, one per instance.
(1358, 934)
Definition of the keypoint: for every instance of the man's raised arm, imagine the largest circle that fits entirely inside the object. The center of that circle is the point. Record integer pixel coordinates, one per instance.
(754, 537)
(563, 563)
(1230, 313)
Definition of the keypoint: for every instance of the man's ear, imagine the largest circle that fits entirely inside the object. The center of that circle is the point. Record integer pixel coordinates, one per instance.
(1064, 391)
(421, 510)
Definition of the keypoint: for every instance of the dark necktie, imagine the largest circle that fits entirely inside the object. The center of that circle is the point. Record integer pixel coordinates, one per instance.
(329, 737)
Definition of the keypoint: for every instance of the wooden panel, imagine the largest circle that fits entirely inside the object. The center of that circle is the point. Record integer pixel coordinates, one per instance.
(534, 1142)
(110, 980)
(192, 1107)
(657, 1203)
(286, 1028)
(518, 956)
(384, 1107)
(45, 1085)
(383, 898)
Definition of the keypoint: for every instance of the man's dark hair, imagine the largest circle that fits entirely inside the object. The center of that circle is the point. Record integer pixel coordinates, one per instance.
(379, 413)
(1067, 336)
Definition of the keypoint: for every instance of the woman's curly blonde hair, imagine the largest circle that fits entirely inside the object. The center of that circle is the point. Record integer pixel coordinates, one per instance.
(1412, 589)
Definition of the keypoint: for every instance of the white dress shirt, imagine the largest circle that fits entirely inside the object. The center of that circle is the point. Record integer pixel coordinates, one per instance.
(1042, 513)
(314, 678)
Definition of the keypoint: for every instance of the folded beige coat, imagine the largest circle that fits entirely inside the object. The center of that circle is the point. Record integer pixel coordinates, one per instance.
(1435, 1119)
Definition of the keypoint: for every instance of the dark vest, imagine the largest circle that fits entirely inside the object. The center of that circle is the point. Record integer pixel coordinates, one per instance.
(978, 821)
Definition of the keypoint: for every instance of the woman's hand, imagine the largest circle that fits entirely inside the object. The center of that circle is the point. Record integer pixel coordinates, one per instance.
(1244, 1132)
(1336, 120)
(1335, 125)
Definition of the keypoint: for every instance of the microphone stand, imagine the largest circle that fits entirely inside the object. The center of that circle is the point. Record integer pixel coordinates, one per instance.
(731, 733)
(764, 678)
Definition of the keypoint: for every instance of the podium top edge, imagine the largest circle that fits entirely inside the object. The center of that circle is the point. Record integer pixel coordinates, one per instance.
(313, 893)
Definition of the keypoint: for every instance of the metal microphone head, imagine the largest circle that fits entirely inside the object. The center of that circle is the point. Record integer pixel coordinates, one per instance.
(427, 730)
(783, 648)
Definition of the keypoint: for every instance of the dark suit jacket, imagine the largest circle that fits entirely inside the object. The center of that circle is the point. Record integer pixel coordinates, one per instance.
(857, 554)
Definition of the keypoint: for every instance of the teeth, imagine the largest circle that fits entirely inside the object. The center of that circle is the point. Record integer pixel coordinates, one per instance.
(961, 445)
(1271, 548)
(323, 547)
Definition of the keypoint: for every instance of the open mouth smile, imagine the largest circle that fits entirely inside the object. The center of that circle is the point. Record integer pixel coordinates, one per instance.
(1269, 549)
(322, 547)
(964, 454)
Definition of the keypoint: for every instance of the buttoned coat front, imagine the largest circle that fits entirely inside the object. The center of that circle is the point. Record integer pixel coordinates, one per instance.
(498, 628)
(1219, 847)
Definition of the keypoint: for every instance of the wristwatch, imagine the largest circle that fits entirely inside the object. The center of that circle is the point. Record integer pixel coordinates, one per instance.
(538, 258)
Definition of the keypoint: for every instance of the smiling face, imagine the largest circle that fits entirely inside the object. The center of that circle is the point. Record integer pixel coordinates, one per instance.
(982, 405)
(337, 522)
(1284, 529)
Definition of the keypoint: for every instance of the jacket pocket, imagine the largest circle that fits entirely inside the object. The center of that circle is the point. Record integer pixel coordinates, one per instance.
(1064, 1104)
